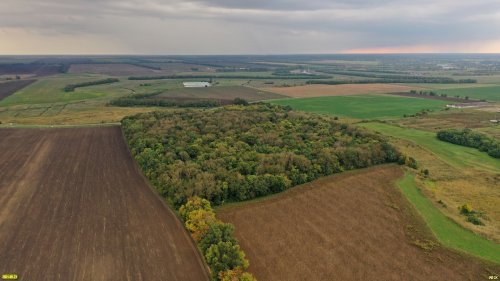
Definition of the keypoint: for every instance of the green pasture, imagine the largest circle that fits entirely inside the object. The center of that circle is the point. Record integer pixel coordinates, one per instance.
(490, 93)
(363, 106)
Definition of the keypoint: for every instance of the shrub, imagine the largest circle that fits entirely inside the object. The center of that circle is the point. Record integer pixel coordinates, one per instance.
(474, 220)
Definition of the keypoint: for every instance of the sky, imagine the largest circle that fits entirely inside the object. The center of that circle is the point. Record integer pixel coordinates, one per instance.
(174, 27)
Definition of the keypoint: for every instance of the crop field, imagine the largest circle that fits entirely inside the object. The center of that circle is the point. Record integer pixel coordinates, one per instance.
(338, 90)
(50, 90)
(491, 93)
(221, 93)
(351, 226)
(73, 206)
(363, 106)
(457, 175)
(9, 88)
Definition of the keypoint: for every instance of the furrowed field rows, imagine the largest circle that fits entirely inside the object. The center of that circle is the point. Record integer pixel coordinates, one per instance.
(73, 206)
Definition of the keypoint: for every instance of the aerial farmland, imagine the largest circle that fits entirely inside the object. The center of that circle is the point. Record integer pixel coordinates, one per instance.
(249, 140)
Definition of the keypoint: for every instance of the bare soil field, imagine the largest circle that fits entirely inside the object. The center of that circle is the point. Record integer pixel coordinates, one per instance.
(36, 69)
(221, 93)
(73, 206)
(337, 90)
(8, 88)
(114, 69)
(350, 226)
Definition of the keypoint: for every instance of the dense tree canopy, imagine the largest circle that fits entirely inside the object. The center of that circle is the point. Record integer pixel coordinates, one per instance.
(237, 153)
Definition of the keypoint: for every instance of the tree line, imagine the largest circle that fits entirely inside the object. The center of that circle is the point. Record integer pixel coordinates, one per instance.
(432, 80)
(72, 87)
(403, 78)
(469, 138)
(149, 99)
(255, 77)
(434, 94)
(237, 153)
(215, 240)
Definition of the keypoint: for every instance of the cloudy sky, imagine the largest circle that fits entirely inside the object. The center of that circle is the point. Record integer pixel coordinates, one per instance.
(248, 26)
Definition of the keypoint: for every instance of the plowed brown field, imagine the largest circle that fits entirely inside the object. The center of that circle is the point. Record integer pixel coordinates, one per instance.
(351, 226)
(73, 206)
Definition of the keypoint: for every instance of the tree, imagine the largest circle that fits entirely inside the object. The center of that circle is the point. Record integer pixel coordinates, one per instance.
(198, 223)
(225, 256)
(240, 101)
(194, 203)
(217, 232)
(236, 274)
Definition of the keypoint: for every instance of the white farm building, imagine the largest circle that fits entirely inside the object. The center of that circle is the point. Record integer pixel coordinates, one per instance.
(196, 84)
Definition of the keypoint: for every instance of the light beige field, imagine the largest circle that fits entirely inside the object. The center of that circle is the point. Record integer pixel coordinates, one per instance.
(338, 90)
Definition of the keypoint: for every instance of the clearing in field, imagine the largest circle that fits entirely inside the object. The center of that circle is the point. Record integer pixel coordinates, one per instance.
(363, 106)
(73, 206)
(337, 90)
(351, 226)
(220, 93)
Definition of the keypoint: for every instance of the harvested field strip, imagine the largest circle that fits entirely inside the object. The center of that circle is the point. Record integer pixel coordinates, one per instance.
(447, 231)
(8, 88)
(350, 226)
(73, 206)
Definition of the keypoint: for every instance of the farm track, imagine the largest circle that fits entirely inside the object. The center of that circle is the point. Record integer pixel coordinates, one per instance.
(73, 206)
(351, 226)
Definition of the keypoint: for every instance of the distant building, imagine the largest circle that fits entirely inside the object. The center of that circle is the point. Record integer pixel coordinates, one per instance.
(196, 84)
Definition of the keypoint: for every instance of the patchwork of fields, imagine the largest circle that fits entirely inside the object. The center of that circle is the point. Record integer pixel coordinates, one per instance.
(9, 88)
(351, 226)
(73, 206)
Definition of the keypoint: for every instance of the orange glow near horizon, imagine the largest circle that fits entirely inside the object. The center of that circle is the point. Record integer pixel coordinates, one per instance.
(485, 47)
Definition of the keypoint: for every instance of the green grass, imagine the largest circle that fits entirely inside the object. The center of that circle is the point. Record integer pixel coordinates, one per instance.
(491, 93)
(222, 92)
(50, 90)
(363, 106)
(448, 232)
(455, 155)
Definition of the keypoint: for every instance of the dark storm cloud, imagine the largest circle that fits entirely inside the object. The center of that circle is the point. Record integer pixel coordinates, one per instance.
(218, 26)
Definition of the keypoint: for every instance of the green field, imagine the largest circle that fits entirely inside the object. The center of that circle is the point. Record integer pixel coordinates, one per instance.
(455, 155)
(491, 93)
(221, 92)
(363, 106)
(448, 232)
